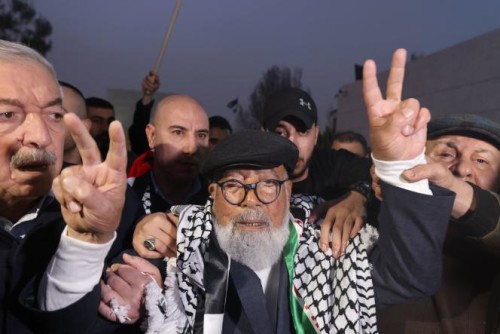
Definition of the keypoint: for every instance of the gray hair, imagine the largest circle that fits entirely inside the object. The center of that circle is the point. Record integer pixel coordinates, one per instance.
(16, 52)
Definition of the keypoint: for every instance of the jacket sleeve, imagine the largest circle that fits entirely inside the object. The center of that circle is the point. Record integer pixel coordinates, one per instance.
(407, 258)
(137, 131)
(483, 223)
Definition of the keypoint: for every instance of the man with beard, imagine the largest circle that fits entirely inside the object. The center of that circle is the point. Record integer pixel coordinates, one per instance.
(339, 177)
(169, 174)
(245, 264)
(101, 113)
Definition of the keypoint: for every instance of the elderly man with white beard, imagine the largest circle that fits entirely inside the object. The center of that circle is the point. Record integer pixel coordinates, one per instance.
(245, 264)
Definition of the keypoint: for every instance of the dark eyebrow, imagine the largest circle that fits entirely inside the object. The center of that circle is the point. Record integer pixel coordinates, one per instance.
(447, 143)
(177, 127)
(55, 102)
(11, 102)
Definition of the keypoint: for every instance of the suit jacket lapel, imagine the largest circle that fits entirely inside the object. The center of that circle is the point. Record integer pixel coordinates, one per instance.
(251, 296)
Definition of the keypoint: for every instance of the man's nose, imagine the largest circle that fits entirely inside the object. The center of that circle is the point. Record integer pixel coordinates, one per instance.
(463, 169)
(35, 131)
(191, 145)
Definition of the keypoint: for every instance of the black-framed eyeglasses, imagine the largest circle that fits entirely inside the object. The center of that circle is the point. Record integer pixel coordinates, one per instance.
(266, 191)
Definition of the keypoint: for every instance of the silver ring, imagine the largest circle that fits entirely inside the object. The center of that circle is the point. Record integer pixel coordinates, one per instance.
(150, 244)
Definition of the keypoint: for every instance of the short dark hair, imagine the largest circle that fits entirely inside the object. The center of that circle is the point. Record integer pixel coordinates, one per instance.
(97, 102)
(70, 86)
(350, 137)
(219, 122)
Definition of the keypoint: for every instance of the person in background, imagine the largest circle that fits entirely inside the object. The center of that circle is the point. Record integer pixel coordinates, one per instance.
(351, 141)
(101, 113)
(142, 114)
(219, 129)
(73, 101)
(339, 177)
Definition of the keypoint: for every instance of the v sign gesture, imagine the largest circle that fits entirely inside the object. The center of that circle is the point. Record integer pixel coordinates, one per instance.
(92, 194)
(398, 128)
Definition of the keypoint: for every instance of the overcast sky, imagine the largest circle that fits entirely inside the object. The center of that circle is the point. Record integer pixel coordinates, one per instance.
(220, 48)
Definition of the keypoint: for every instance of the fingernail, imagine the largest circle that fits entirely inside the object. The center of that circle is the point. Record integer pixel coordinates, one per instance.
(74, 207)
(324, 247)
(114, 267)
(408, 112)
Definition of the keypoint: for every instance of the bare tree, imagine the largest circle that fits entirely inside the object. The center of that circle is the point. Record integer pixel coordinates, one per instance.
(274, 79)
(19, 22)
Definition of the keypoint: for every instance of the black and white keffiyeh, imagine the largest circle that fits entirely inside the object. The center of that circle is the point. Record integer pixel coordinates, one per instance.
(336, 296)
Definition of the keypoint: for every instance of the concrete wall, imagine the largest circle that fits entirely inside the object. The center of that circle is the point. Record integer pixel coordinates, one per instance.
(464, 78)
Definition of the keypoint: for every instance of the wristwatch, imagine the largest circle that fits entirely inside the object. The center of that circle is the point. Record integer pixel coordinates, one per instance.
(363, 188)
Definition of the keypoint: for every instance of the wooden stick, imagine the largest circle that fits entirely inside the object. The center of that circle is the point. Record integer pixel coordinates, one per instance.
(167, 36)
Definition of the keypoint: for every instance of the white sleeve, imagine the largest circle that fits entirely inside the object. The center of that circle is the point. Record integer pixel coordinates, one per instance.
(390, 172)
(74, 270)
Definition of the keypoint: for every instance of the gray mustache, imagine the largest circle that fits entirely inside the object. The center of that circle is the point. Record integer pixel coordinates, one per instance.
(33, 157)
(252, 215)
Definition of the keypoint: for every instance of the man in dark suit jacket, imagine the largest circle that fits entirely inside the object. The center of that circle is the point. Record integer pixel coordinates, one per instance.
(35, 230)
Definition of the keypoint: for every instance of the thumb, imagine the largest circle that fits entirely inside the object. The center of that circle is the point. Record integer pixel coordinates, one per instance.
(418, 173)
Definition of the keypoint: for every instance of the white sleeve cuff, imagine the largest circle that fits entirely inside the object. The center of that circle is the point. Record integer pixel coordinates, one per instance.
(74, 270)
(390, 172)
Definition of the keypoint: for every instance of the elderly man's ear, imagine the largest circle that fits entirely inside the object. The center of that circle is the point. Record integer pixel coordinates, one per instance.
(211, 189)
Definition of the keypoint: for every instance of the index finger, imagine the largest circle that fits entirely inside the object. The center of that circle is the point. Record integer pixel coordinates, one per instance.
(396, 75)
(371, 91)
(85, 144)
(117, 153)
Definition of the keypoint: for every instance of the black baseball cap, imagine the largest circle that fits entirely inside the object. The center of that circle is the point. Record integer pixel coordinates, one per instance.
(467, 125)
(289, 102)
(254, 149)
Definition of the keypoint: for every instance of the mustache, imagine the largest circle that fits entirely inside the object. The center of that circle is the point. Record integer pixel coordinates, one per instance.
(34, 156)
(252, 215)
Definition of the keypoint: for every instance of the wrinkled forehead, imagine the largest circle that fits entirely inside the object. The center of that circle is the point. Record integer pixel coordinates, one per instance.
(28, 82)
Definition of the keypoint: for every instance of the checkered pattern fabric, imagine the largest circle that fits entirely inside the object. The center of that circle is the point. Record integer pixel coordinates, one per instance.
(336, 296)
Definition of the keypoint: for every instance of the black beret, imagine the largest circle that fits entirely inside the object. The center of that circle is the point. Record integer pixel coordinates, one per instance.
(251, 148)
(467, 125)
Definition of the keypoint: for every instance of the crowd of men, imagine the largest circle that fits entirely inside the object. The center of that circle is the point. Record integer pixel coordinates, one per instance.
(199, 229)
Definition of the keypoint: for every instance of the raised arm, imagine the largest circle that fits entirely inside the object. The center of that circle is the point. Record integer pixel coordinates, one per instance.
(407, 259)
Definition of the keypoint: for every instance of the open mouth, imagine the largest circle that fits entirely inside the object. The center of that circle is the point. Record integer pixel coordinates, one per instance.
(33, 167)
(252, 224)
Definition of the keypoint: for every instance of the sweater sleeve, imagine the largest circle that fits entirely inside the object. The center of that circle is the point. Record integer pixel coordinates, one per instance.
(137, 131)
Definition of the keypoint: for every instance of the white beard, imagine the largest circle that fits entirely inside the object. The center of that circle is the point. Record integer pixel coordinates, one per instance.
(255, 249)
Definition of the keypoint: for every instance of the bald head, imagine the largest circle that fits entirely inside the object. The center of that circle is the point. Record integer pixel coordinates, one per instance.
(179, 136)
(74, 102)
(175, 105)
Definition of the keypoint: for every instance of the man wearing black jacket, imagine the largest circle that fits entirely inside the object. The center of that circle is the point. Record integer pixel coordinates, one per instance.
(34, 228)
(329, 174)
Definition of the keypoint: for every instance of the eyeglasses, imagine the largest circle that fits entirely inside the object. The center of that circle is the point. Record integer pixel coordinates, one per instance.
(266, 191)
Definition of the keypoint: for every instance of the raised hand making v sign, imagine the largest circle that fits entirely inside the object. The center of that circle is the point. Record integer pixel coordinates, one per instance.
(92, 194)
(398, 127)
